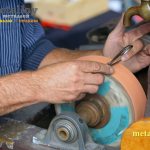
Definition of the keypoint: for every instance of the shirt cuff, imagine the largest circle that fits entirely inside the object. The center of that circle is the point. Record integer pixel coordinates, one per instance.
(41, 49)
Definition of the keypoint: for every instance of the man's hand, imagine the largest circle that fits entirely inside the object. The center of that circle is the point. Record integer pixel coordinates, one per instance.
(139, 57)
(69, 81)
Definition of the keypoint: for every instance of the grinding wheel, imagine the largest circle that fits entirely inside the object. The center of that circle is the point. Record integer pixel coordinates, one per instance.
(119, 102)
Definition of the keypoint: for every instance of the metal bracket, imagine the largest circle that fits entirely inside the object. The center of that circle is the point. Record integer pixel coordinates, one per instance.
(67, 131)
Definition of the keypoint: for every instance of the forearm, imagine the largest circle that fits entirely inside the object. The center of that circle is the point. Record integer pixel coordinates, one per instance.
(11, 108)
(60, 55)
(17, 91)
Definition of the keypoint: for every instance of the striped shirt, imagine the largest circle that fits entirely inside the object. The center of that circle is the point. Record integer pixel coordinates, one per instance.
(22, 45)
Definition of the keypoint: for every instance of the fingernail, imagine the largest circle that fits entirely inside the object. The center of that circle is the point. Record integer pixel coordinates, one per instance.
(111, 70)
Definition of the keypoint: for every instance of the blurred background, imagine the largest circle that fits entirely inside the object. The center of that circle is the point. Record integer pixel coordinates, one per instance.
(80, 24)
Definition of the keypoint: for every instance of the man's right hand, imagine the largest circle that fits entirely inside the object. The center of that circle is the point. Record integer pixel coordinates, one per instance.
(69, 81)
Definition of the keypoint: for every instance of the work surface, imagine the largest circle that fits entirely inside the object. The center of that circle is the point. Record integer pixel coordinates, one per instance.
(18, 136)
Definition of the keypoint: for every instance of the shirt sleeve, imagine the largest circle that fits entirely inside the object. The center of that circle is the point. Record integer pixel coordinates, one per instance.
(34, 44)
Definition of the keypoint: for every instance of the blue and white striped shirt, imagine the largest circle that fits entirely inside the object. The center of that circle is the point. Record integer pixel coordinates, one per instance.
(22, 45)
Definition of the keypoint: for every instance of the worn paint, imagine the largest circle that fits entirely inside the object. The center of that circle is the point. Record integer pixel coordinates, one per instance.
(10, 131)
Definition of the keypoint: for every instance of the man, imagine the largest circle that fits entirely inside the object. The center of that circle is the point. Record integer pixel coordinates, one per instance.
(23, 47)
(52, 74)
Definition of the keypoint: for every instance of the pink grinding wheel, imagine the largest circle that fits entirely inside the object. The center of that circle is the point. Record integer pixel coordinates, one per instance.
(130, 84)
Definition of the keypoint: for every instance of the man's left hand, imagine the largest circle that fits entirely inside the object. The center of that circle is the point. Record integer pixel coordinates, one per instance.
(139, 57)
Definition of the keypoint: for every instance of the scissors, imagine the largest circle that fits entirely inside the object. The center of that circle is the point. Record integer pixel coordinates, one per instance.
(117, 58)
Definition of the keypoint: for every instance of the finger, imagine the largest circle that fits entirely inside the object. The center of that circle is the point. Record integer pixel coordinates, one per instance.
(119, 29)
(81, 96)
(138, 32)
(94, 79)
(92, 89)
(74, 98)
(137, 46)
(95, 67)
(147, 50)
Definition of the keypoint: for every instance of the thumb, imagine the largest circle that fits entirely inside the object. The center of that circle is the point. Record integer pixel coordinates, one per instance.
(119, 29)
